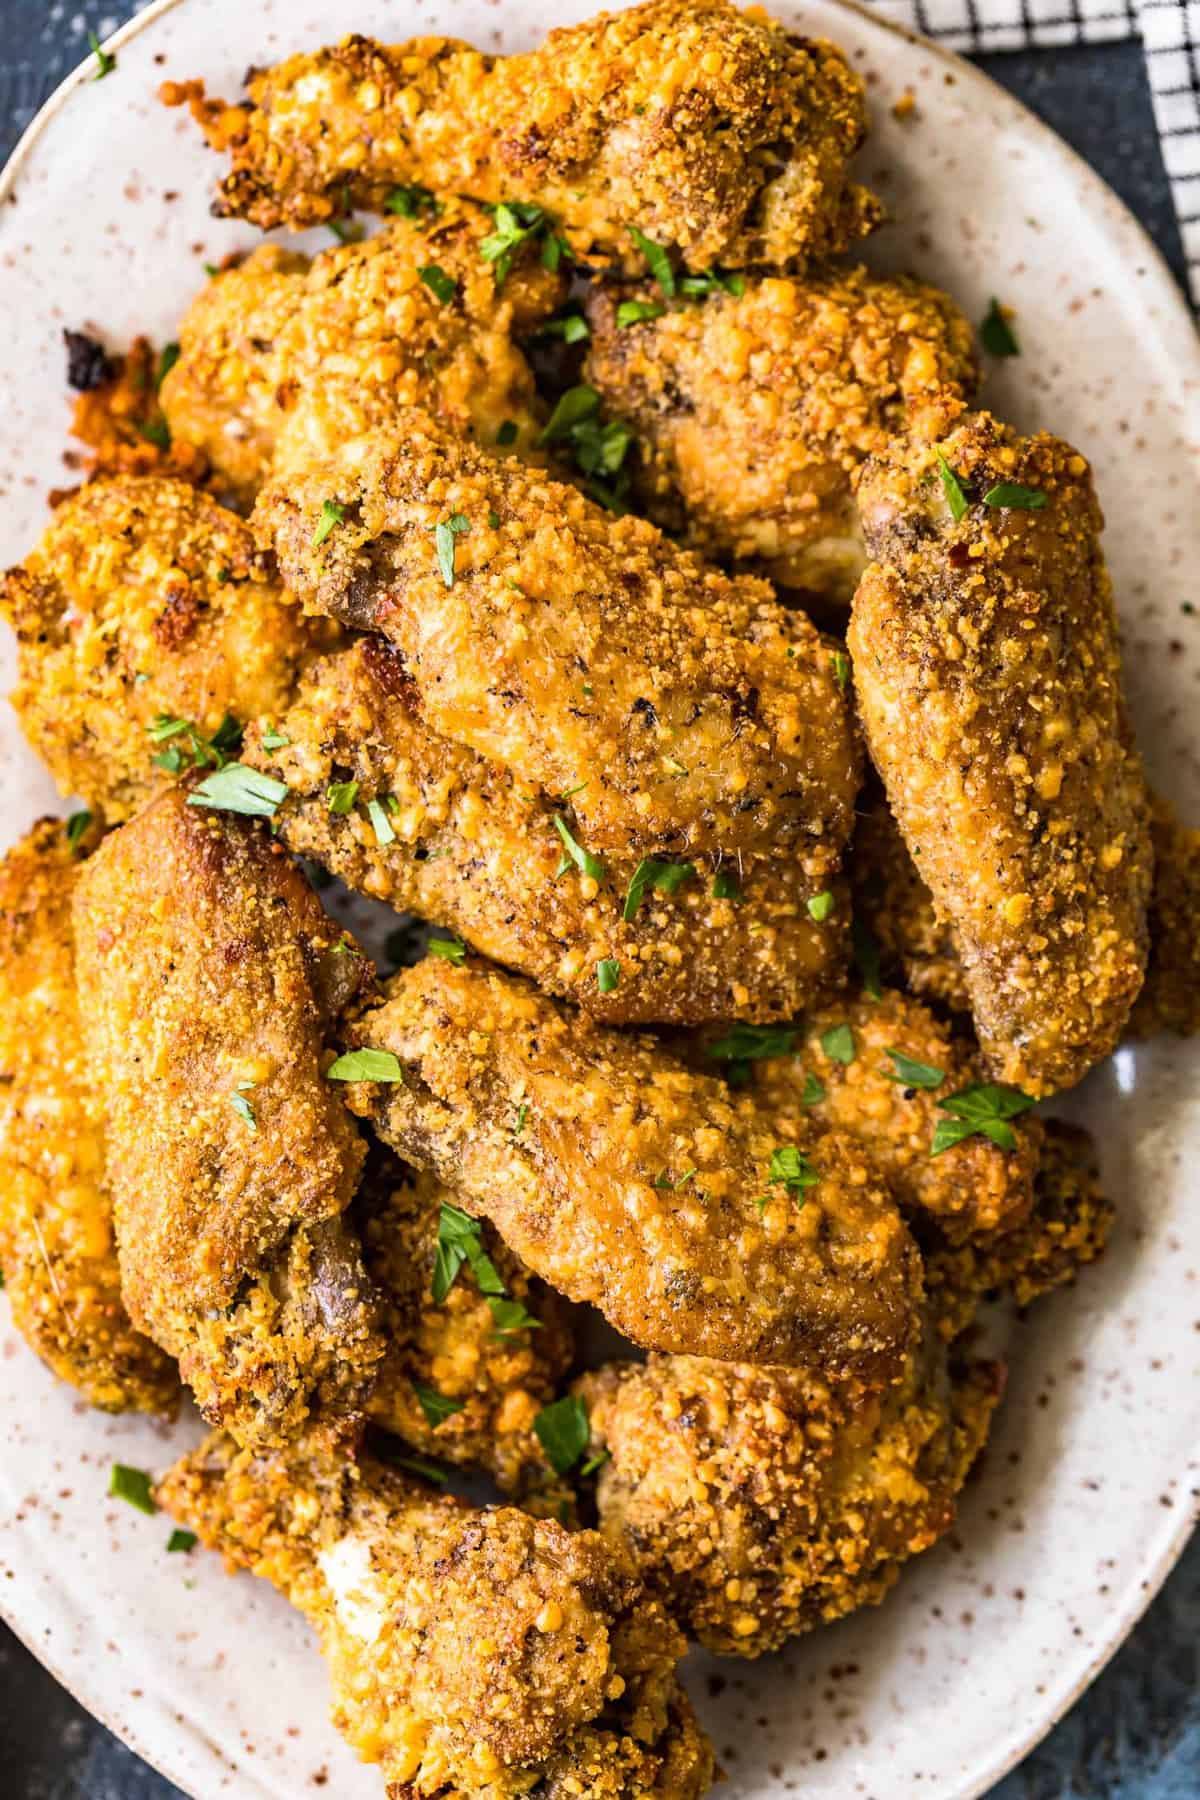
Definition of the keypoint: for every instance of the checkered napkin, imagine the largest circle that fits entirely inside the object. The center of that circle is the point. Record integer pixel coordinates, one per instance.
(1170, 30)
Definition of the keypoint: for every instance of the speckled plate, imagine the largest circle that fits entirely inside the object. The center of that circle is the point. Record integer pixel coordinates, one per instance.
(1087, 1491)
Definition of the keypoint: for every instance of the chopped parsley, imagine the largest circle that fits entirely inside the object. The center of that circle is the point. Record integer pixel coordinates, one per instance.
(243, 1108)
(459, 1242)
(156, 432)
(598, 446)
(841, 669)
(340, 796)
(571, 327)
(577, 404)
(984, 1108)
(347, 230)
(331, 514)
(380, 824)
(409, 201)
(574, 852)
(519, 222)
(507, 433)
(1011, 496)
(996, 334)
(444, 536)
(132, 1485)
(747, 1043)
(522, 1115)
(199, 752)
(608, 974)
(657, 260)
(510, 1316)
(366, 1065)
(820, 906)
(956, 499)
(449, 949)
(76, 829)
(663, 877)
(838, 1043)
(493, 519)
(417, 1465)
(712, 281)
(436, 1407)
(563, 1431)
(791, 1170)
(866, 958)
(106, 62)
(272, 739)
(910, 1073)
(168, 357)
(638, 312)
(181, 1540)
(237, 789)
(443, 287)
(813, 1092)
(725, 886)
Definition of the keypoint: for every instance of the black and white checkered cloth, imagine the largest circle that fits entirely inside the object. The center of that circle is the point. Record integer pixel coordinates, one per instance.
(1169, 29)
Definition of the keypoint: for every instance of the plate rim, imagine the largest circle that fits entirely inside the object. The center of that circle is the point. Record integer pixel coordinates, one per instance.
(1177, 324)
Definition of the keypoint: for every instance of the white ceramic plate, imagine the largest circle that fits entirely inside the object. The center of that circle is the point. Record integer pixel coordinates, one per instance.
(1086, 1494)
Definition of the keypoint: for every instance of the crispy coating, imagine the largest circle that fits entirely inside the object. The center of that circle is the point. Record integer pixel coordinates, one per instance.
(56, 1233)
(209, 977)
(753, 411)
(144, 599)
(1020, 791)
(473, 850)
(1068, 1228)
(916, 948)
(474, 1655)
(974, 1186)
(1170, 999)
(497, 1380)
(636, 1184)
(121, 421)
(277, 350)
(685, 710)
(709, 129)
(761, 1502)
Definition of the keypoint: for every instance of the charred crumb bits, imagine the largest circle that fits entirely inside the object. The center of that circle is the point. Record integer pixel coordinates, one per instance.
(89, 365)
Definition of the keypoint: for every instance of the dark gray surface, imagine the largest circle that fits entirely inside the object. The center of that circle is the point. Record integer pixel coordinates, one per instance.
(1136, 1734)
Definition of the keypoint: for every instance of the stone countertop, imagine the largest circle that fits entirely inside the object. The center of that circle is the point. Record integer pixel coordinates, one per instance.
(1135, 1735)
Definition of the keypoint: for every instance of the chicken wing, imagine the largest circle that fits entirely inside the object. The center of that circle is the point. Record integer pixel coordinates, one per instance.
(626, 1180)
(895, 909)
(1170, 999)
(57, 1252)
(208, 978)
(147, 625)
(760, 1502)
(474, 1655)
(412, 819)
(680, 710)
(708, 129)
(986, 614)
(754, 408)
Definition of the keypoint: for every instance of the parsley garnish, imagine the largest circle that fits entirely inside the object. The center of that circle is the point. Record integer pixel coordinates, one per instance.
(243, 1108)
(713, 281)
(202, 752)
(417, 1465)
(132, 1485)
(272, 739)
(106, 62)
(983, 1108)
(562, 1430)
(663, 877)
(571, 327)
(608, 974)
(657, 261)
(408, 201)
(841, 668)
(522, 1115)
(746, 1043)
(348, 230)
(156, 432)
(574, 852)
(436, 1407)
(838, 1043)
(790, 1169)
(996, 334)
(910, 1073)
(380, 824)
(599, 447)
(366, 1065)
(577, 404)
(866, 958)
(1013, 497)
(510, 1316)
(182, 1540)
(820, 906)
(168, 357)
(518, 222)
(507, 433)
(444, 536)
(76, 828)
(636, 312)
(725, 886)
(331, 514)
(460, 1241)
(956, 500)
(449, 949)
(341, 795)
(443, 287)
(237, 789)
(813, 1092)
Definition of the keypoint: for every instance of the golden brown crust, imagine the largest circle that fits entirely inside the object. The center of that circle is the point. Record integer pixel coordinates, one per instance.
(145, 599)
(707, 128)
(724, 1261)
(57, 1252)
(474, 850)
(897, 910)
(1170, 998)
(210, 976)
(574, 648)
(1021, 793)
(752, 411)
(470, 1653)
(121, 421)
(761, 1502)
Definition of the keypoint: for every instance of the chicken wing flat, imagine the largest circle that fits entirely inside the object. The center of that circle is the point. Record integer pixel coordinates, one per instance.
(680, 710)
(461, 841)
(754, 409)
(896, 909)
(883, 1069)
(208, 978)
(626, 1180)
(57, 1251)
(317, 355)
(761, 1502)
(708, 129)
(464, 1375)
(146, 622)
(987, 615)
(474, 1655)
(1170, 999)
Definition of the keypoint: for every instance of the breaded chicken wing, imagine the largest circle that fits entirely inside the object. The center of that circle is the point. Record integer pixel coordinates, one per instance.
(680, 710)
(145, 618)
(708, 129)
(844, 1051)
(118, 415)
(474, 1655)
(895, 908)
(464, 843)
(57, 1252)
(317, 355)
(754, 409)
(1170, 998)
(989, 683)
(760, 1502)
(626, 1180)
(208, 978)
(459, 1380)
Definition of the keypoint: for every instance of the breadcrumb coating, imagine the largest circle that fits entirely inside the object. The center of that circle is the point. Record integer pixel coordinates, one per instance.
(754, 410)
(681, 710)
(1021, 795)
(470, 848)
(975, 1186)
(145, 601)
(122, 422)
(57, 1252)
(760, 1502)
(474, 1655)
(209, 977)
(711, 130)
(1170, 998)
(637, 1185)
(897, 910)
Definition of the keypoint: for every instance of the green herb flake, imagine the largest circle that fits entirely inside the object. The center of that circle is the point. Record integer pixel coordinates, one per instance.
(838, 1043)
(725, 886)
(596, 1462)
(663, 877)
(996, 334)
(608, 974)
(574, 852)
(168, 357)
(749, 1043)
(912, 1074)
(813, 1092)
(522, 1115)
(417, 1465)
(76, 829)
(443, 287)
(638, 312)
(132, 1485)
(407, 202)
(956, 499)
(519, 222)
(444, 536)
(571, 327)
(1010, 496)
(273, 740)
(509, 1316)
(156, 432)
(244, 1110)
(562, 1430)
(577, 404)
(340, 796)
(713, 281)
(657, 261)
(331, 514)
(181, 1541)
(380, 824)
(507, 434)
(841, 669)
(984, 1109)
(449, 949)
(493, 520)
(791, 1169)
(820, 906)
(106, 62)
(366, 1065)
(237, 789)
(866, 958)
(348, 230)
(436, 1407)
